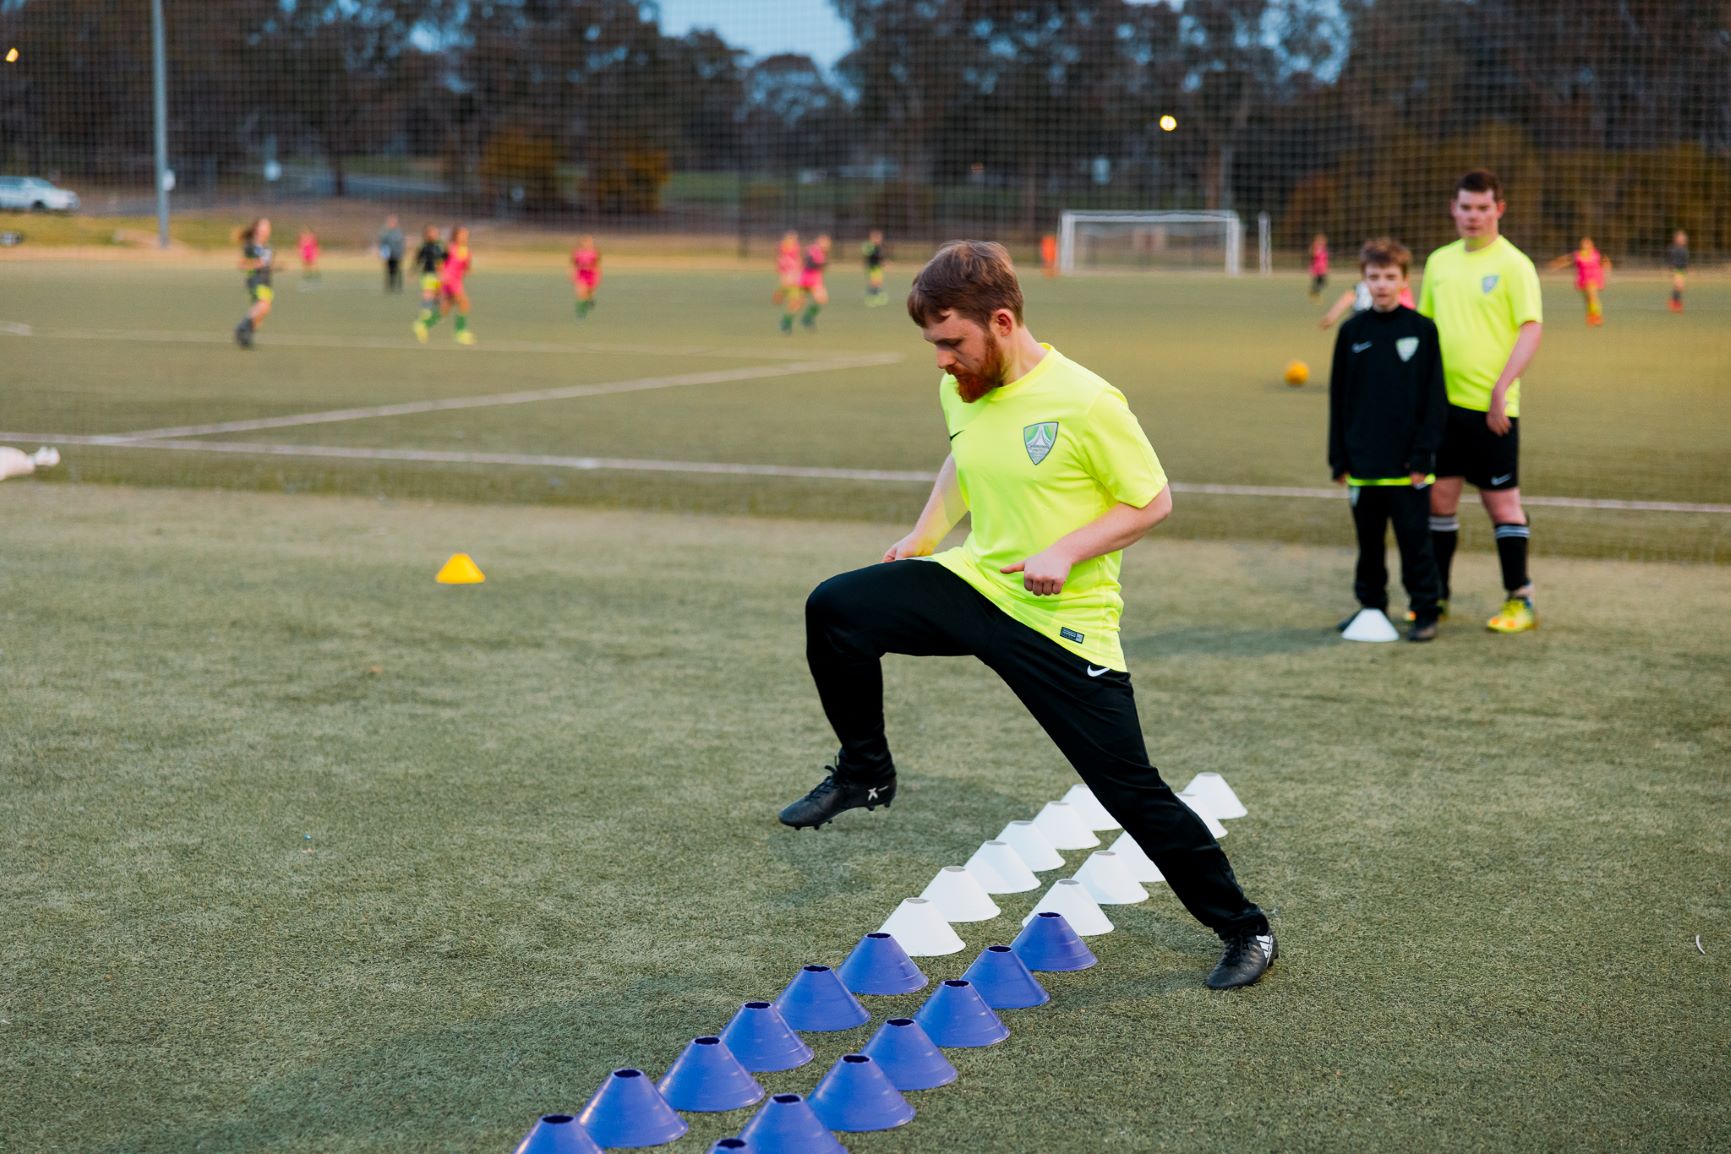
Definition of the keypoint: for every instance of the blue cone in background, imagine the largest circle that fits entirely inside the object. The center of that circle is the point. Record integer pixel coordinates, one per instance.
(908, 1056)
(629, 1111)
(707, 1078)
(1048, 943)
(1004, 981)
(787, 1125)
(558, 1134)
(956, 1015)
(817, 1001)
(879, 965)
(763, 1041)
(857, 1095)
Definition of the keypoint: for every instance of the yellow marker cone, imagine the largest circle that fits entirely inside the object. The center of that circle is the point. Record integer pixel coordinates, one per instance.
(460, 570)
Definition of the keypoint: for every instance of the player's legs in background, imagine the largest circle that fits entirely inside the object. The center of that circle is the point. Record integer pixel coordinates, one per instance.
(818, 297)
(1676, 292)
(255, 315)
(460, 299)
(790, 302)
(1595, 310)
(1370, 522)
(1445, 531)
(430, 307)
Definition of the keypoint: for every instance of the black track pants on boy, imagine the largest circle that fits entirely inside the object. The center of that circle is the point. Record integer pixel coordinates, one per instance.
(920, 608)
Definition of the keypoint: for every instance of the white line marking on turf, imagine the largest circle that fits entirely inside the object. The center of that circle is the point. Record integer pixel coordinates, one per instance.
(491, 400)
(315, 341)
(815, 472)
(15, 328)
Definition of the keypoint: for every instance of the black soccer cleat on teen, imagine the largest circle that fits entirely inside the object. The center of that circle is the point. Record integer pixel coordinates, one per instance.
(1246, 959)
(833, 795)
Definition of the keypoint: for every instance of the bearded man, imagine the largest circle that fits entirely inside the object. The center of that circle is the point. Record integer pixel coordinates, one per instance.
(1058, 478)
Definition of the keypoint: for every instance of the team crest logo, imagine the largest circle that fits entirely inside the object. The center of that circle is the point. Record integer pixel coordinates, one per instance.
(1038, 440)
(1406, 347)
(1489, 283)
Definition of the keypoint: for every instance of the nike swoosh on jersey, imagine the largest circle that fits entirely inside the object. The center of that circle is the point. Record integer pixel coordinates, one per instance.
(1361, 348)
(1092, 672)
(957, 433)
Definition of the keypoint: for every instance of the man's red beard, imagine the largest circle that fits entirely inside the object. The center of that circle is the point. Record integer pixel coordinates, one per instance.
(972, 386)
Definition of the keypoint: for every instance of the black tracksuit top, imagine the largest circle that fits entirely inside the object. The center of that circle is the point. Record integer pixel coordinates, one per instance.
(1386, 411)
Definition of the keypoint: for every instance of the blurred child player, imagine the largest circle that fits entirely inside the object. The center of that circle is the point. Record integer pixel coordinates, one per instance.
(787, 264)
(1677, 256)
(1318, 264)
(873, 252)
(1590, 269)
(1386, 409)
(585, 274)
(429, 259)
(309, 244)
(255, 258)
(811, 285)
(452, 294)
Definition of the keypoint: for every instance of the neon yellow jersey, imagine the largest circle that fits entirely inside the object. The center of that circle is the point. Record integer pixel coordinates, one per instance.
(1479, 301)
(1037, 459)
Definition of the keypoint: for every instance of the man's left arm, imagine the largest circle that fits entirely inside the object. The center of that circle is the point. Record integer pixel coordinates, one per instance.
(1117, 528)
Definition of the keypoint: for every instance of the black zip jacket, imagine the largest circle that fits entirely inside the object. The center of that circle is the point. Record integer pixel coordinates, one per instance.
(1386, 410)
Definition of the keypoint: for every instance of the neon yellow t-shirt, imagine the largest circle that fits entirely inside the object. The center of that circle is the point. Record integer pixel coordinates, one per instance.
(1037, 459)
(1479, 301)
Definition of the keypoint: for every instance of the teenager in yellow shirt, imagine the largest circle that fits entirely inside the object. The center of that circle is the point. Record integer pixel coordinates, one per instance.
(1058, 478)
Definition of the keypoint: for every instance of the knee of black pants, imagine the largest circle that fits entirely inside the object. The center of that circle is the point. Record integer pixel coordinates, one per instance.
(830, 612)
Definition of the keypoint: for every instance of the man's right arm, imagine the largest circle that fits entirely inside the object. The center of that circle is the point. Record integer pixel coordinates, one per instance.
(944, 508)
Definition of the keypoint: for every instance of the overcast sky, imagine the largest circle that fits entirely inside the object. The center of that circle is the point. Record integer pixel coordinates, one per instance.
(765, 27)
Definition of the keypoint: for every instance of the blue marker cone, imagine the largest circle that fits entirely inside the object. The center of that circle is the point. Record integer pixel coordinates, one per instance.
(1004, 981)
(762, 1040)
(817, 1001)
(908, 1056)
(956, 1015)
(1048, 943)
(856, 1095)
(879, 965)
(707, 1078)
(787, 1125)
(558, 1134)
(629, 1111)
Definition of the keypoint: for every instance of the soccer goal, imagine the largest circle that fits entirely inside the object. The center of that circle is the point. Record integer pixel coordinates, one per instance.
(1149, 241)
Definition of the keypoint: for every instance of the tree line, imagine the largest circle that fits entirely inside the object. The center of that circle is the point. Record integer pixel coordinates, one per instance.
(1332, 115)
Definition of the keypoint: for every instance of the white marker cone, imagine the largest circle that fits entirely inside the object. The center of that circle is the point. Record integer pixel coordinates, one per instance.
(1370, 625)
(1032, 846)
(1089, 809)
(959, 896)
(1221, 799)
(1070, 898)
(1203, 810)
(1063, 828)
(1108, 882)
(1000, 869)
(920, 930)
(1140, 865)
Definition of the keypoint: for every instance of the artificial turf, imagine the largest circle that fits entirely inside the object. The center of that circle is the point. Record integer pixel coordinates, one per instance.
(307, 853)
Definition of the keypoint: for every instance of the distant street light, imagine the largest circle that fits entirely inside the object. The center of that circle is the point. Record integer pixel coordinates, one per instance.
(12, 56)
(1168, 122)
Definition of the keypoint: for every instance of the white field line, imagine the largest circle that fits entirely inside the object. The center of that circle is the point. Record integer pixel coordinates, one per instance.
(314, 341)
(492, 400)
(725, 468)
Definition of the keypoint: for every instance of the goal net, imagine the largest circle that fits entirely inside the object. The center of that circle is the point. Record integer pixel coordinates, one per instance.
(1091, 242)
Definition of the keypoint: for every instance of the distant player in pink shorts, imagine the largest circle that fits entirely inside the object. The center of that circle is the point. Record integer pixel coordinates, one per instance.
(1590, 269)
(585, 274)
(812, 268)
(309, 254)
(1318, 264)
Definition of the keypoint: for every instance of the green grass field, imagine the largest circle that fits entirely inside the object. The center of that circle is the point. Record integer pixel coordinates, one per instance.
(307, 853)
(1639, 410)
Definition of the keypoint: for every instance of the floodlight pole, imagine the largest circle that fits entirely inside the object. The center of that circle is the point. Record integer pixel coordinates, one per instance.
(159, 85)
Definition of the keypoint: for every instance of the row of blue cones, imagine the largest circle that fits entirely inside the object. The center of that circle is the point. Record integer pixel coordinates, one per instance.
(862, 1091)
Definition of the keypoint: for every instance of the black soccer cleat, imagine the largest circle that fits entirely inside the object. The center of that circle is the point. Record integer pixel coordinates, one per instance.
(834, 794)
(1246, 959)
(243, 336)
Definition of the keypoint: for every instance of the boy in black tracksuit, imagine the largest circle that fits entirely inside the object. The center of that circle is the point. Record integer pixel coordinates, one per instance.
(1386, 411)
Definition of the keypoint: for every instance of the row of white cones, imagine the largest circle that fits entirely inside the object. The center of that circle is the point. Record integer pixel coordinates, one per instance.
(1007, 864)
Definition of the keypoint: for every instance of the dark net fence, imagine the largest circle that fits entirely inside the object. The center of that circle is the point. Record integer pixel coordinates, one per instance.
(944, 117)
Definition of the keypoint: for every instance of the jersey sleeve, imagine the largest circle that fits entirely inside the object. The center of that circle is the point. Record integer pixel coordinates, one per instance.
(1117, 451)
(1525, 303)
(1426, 302)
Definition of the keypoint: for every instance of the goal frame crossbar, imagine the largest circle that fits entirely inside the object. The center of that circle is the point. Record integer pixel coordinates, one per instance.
(1233, 228)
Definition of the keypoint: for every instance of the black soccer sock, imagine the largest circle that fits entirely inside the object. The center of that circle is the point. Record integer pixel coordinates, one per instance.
(1676, 296)
(1445, 534)
(1512, 551)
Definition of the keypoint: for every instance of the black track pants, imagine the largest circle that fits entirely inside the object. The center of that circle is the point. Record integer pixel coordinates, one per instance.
(921, 608)
(1374, 507)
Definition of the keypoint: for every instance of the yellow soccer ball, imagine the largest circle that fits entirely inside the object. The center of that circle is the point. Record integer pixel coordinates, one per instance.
(1297, 372)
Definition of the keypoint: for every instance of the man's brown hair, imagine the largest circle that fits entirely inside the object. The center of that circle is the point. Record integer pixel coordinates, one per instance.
(1384, 251)
(1480, 180)
(971, 278)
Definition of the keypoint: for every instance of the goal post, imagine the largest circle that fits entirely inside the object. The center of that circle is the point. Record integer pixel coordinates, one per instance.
(1150, 241)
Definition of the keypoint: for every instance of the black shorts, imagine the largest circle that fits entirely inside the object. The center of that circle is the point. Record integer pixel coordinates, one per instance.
(1471, 450)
